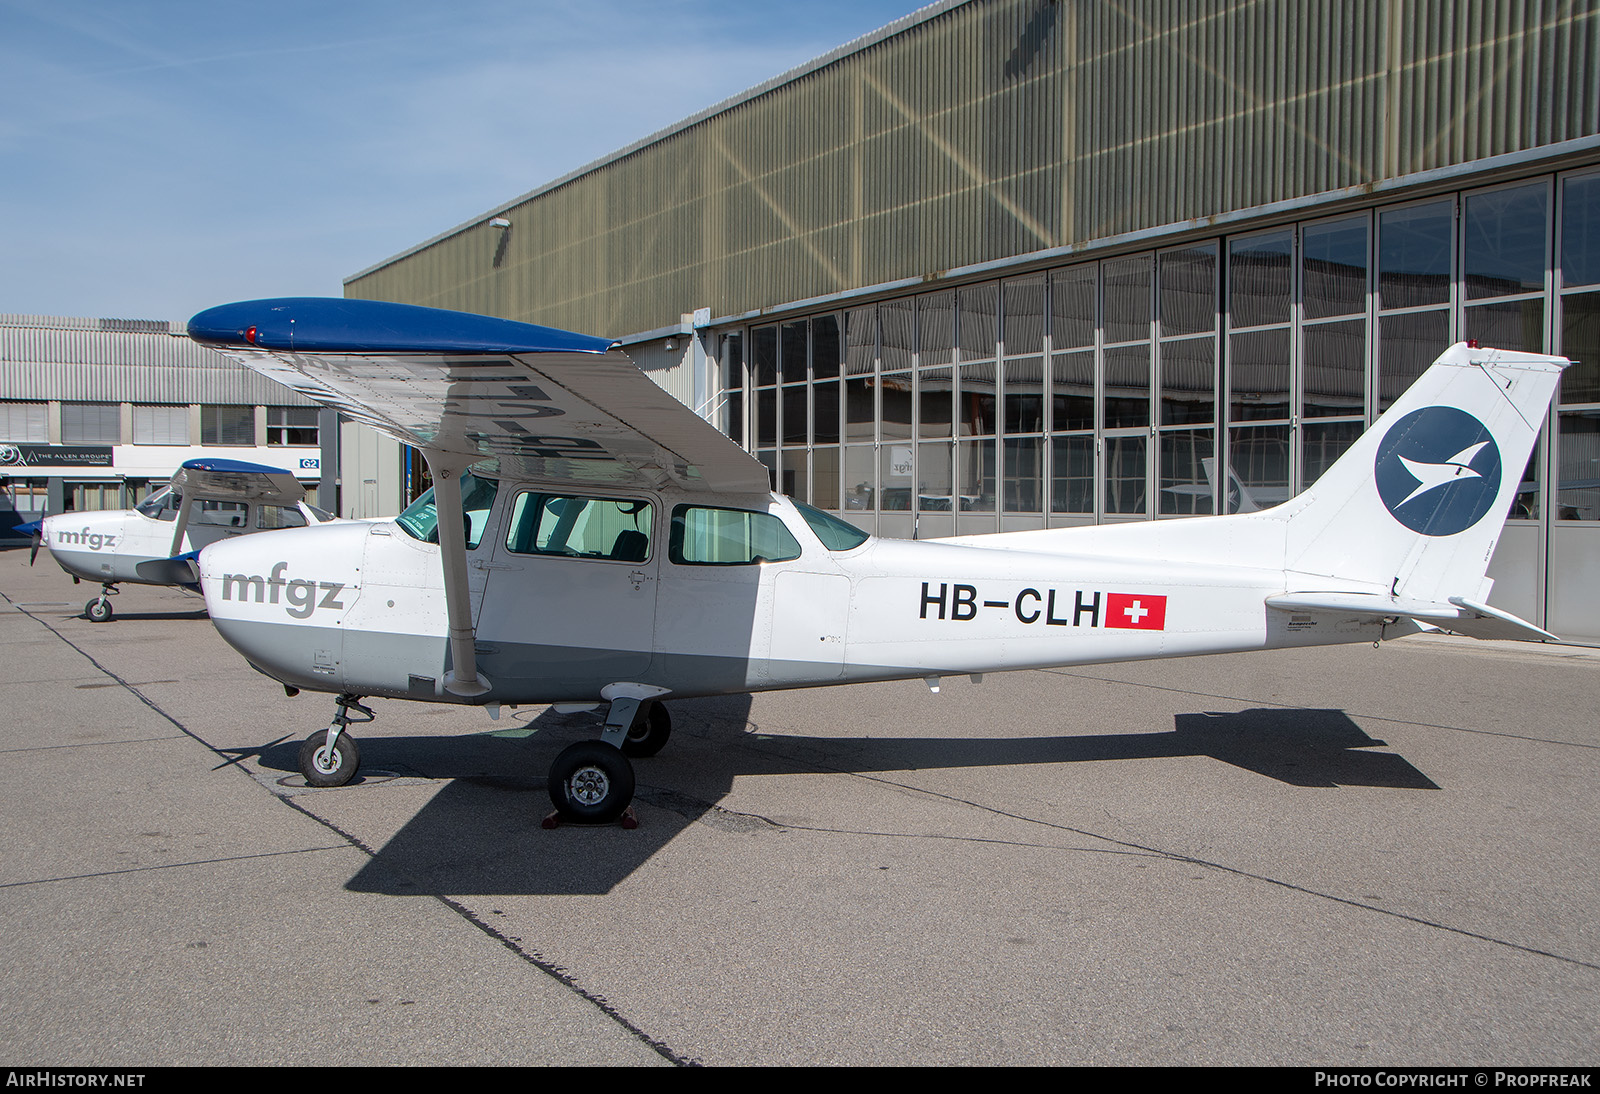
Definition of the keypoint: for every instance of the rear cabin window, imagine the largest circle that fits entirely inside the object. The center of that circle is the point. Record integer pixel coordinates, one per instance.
(279, 516)
(728, 537)
(609, 529)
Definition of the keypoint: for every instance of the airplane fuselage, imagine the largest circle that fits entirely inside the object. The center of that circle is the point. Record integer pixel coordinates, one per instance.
(360, 608)
(131, 545)
(111, 546)
(578, 575)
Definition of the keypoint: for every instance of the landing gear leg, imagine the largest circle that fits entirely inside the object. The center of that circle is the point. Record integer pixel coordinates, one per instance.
(98, 610)
(329, 757)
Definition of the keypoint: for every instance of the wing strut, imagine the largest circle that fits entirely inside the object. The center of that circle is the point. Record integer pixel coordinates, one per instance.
(463, 678)
(181, 525)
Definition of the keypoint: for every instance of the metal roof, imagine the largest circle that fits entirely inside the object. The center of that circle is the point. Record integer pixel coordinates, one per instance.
(76, 359)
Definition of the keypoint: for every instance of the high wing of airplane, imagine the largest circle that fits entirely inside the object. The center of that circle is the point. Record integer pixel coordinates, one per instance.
(590, 541)
(155, 544)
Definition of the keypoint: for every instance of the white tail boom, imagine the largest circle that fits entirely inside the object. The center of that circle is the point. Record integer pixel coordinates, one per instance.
(1403, 524)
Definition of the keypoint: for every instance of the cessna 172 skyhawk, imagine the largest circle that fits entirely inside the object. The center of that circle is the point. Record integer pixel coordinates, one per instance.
(589, 540)
(208, 500)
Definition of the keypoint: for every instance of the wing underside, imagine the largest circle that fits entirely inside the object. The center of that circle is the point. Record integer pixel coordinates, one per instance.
(232, 480)
(539, 404)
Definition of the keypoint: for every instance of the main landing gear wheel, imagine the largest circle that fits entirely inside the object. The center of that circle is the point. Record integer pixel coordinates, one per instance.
(324, 767)
(591, 783)
(650, 735)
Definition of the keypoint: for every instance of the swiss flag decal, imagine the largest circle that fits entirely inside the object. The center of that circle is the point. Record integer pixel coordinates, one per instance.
(1136, 611)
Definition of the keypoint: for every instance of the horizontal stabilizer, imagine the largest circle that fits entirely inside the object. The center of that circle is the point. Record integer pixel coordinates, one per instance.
(1459, 614)
(1486, 622)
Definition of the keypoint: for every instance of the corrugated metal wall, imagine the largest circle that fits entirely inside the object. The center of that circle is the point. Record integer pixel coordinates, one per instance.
(122, 361)
(997, 128)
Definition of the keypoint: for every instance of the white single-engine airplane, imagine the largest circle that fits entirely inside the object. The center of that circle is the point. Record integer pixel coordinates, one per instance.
(589, 540)
(208, 500)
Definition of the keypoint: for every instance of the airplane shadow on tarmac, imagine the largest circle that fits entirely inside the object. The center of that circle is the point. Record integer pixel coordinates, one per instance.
(145, 617)
(481, 833)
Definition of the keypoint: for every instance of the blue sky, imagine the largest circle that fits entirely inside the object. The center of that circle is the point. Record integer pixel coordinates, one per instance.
(159, 157)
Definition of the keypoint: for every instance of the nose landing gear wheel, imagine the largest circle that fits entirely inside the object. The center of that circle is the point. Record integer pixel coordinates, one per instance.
(323, 767)
(591, 783)
(98, 611)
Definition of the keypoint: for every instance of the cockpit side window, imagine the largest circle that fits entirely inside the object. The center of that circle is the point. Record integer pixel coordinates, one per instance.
(421, 518)
(611, 529)
(702, 536)
(222, 514)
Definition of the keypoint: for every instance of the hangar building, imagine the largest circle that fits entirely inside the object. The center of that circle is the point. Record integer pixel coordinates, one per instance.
(1006, 264)
(97, 412)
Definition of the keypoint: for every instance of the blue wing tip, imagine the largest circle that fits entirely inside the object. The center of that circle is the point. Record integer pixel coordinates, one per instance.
(209, 463)
(333, 325)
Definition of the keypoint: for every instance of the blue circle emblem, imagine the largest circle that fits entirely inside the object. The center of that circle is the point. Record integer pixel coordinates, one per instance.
(1438, 471)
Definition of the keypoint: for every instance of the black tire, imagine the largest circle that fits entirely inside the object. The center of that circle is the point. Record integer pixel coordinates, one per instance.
(651, 735)
(323, 772)
(98, 610)
(591, 783)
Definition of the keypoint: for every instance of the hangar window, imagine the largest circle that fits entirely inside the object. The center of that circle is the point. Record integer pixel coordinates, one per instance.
(91, 497)
(1186, 369)
(31, 496)
(292, 426)
(1578, 421)
(228, 425)
(24, 422)
(91, 423)
(728, 537)
(168, 425)
(733, 386)
(1416, 255)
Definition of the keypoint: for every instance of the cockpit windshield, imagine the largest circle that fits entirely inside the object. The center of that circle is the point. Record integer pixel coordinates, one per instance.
(421, 518)
(162, 505)
(835, 534)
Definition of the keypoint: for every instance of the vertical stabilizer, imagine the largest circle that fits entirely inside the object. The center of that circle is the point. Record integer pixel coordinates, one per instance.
(1415, 507)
